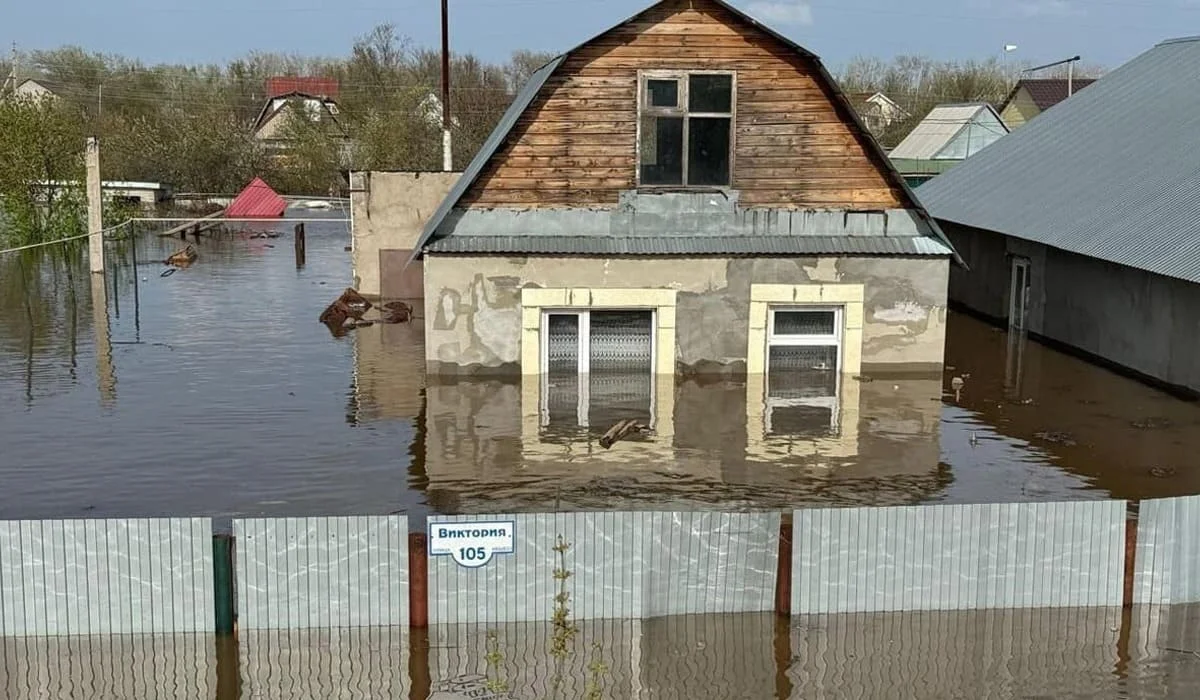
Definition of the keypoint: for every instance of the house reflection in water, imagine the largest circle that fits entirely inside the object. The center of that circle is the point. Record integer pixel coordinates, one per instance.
(491, 444)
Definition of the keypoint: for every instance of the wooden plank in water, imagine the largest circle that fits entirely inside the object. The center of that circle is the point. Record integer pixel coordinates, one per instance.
(199, 223)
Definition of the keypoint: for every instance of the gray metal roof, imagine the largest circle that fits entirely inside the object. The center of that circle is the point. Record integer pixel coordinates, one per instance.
(535, 83)
(704, 245)
(1112, 173)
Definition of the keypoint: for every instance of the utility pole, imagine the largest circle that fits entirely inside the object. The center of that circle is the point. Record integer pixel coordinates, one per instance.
(447, 156)
(10, 81)
(1070, 71)
(95, 204)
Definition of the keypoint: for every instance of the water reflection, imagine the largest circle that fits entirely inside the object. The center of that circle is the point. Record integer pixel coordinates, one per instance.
(215, 392)
(1096, 652)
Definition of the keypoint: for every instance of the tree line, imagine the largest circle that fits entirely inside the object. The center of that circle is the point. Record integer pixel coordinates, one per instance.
(192, 125)
(918, 84)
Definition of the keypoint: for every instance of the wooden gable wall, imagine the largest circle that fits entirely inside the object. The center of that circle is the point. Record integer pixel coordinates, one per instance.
(576, 144)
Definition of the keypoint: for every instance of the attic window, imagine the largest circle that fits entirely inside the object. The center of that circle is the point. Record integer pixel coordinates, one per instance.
(685, 128)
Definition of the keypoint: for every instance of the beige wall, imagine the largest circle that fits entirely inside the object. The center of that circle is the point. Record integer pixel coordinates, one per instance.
(389, 210)
(1019, 110)
(473, 307)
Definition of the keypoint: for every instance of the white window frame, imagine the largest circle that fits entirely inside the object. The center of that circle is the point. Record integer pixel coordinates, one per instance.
(681, 110)
(583, 353)
(789, 340)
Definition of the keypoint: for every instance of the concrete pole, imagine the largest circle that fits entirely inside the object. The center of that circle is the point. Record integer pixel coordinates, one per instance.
(95, 207)
(106, 376)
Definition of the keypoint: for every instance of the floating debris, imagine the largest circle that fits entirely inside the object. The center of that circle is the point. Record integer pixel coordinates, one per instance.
(182, 258)
(349, 307)
(1057, 438)
(1162, 472)
(621, 430)
(1153, 423)
(396, 312)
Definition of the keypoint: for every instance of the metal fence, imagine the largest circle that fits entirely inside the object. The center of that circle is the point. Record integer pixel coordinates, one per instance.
(80, 577)
(1168, 552)
(303, 573)
(960, 557)
(613, 566)
(90, 577)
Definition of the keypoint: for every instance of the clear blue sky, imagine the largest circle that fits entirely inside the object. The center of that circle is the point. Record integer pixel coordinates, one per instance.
(1107, 32)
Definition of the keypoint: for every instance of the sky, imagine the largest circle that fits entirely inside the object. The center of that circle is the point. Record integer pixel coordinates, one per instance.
(1104, 32)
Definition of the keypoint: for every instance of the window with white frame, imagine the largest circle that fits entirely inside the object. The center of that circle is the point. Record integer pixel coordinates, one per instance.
(685, 128)
(804, 350)
(599, 367)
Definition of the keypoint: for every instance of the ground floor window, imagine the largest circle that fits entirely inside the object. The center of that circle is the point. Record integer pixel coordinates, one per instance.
(599, 367)
(803, 368)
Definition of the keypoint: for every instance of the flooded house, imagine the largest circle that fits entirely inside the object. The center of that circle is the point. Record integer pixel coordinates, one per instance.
(688, 192)
(1081, 227)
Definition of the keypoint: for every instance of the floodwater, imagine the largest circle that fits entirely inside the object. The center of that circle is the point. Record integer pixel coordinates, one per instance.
(215, 392)
(1054, 653)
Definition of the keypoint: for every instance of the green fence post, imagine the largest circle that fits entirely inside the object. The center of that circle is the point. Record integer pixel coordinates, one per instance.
(223, 582)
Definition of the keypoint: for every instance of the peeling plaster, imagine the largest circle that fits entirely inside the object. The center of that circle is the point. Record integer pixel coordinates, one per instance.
(901, 312)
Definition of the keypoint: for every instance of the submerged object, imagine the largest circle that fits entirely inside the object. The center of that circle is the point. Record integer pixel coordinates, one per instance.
(182, 258)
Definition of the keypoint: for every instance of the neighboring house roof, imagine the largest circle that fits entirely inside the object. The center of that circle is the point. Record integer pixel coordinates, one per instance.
(536, 81)
(273, 106)
(283, 85)
(942, 132)
(47, 85)
(861, 100)
(1046, 92)
(1111, 173)
(258, 200)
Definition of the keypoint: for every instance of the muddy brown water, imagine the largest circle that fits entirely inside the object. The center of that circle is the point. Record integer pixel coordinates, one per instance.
(215, 392)
(220, 395)
(1089, 653)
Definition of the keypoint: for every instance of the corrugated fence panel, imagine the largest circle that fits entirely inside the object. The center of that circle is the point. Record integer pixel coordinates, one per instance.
(710, 563)
(1012, 555)
(1167, 561)
(303, 573)
(80, 577)
(623, 566)
(605, 561)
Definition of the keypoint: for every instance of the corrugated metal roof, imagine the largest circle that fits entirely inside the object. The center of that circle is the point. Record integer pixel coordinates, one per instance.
(257, 200)
(703, 245)
(1112, 173)
(539, 78)
(939, 128)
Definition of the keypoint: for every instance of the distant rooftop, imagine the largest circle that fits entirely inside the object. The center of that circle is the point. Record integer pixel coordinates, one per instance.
(951, 131)
(1111, 173)
(1047, 92)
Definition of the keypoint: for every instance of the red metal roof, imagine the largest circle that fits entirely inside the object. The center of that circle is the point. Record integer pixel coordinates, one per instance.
(258, 200)
(317, 87)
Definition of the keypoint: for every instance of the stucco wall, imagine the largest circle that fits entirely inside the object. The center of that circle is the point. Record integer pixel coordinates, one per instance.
(389, 210)
(473, 304)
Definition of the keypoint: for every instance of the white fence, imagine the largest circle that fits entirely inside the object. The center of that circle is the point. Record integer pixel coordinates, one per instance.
(304, 573)
(93, 577)
(961, 557)
(622, 566)
(1168, 552)
(84, 577)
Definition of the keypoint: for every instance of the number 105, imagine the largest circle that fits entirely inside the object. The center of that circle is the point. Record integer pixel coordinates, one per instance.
(472, 553)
